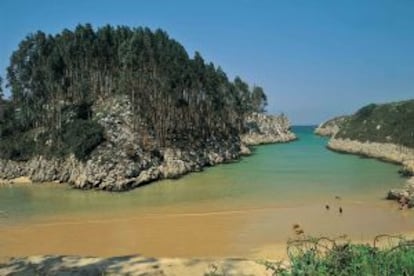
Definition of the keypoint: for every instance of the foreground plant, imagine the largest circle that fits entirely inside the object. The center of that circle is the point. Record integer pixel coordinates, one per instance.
(389, 255)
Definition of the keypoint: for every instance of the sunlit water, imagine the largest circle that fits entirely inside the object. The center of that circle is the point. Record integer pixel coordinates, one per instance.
(231, 209)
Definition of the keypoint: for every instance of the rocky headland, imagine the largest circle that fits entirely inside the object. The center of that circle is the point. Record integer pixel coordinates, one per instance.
(121, 163)
(330, 127)
(384, 132)
(266, 129)
(123, 108)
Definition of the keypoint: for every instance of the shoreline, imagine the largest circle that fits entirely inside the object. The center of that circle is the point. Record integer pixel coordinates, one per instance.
(136, 264)
(154, 174)
(386, 152)
(121, 163)
(181, 232)
(263, 251)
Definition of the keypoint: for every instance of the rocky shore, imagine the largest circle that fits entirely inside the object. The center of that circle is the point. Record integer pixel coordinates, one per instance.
(122, 162)
(381, 131)
(384, 151)
(387, 152)
(405, 195)
(131, 265)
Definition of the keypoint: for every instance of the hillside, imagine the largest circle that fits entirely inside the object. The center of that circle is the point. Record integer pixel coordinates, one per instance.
(331, 127)
(383, 131)
(382, 123)
(117, 107)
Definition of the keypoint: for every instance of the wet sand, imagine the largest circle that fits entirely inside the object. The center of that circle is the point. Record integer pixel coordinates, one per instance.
(194, 232)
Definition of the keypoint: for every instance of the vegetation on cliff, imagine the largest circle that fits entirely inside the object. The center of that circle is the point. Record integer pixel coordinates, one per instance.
(55, 80)
(382, 123)
(331, 127)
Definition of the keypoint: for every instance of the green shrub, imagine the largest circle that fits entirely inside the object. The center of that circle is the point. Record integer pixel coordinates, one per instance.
(366, 111)
(82, 136)
(18, 147)
(311, 257)
(79, 134)
(387, 123)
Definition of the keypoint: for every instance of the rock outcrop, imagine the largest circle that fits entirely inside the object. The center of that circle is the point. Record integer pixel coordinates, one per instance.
(383, 151)
(125, 160)
(404, 196)
(265, 129)
(331, 127)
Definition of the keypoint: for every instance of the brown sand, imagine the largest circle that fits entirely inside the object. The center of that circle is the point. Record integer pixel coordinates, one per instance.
(23, 180)
(259, 233)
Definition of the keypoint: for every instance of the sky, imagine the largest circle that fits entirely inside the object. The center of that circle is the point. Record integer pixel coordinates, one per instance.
(314, 59)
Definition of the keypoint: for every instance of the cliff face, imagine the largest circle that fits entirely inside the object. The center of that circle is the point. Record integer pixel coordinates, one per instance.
(331, 127)
(126, 160)
(265, 129)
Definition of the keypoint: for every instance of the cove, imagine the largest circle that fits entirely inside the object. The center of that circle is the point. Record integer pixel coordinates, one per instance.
(239, 209)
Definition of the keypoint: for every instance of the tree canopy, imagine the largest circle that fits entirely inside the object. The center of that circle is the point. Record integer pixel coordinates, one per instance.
(1, 89)
(173, 94)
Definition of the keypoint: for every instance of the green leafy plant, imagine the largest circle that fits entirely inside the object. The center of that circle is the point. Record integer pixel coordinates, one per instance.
(82, 136)
(323, 256)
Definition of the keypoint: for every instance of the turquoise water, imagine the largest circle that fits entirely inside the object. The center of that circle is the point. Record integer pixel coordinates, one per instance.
(301, 172)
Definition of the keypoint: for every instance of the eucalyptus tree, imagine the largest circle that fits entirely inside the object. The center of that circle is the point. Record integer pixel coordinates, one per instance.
(174, 97)
(1, 89)
(258, 99)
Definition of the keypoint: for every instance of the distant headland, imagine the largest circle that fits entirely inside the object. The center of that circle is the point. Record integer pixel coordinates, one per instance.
(382, 131)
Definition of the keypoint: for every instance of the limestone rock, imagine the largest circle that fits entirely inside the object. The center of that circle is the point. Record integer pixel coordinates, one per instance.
(126, 160)
(265, 129)
(244, 150)
(331, 127)
(396, 194)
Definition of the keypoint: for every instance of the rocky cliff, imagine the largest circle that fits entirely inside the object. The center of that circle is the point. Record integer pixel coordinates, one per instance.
(330, 127)
(126, 160)
(265, 129)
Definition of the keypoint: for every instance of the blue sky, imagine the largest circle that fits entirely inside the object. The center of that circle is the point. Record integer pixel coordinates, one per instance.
(315, 59)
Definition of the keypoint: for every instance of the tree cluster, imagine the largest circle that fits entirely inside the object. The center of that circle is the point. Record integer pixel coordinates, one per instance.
(173, 96)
